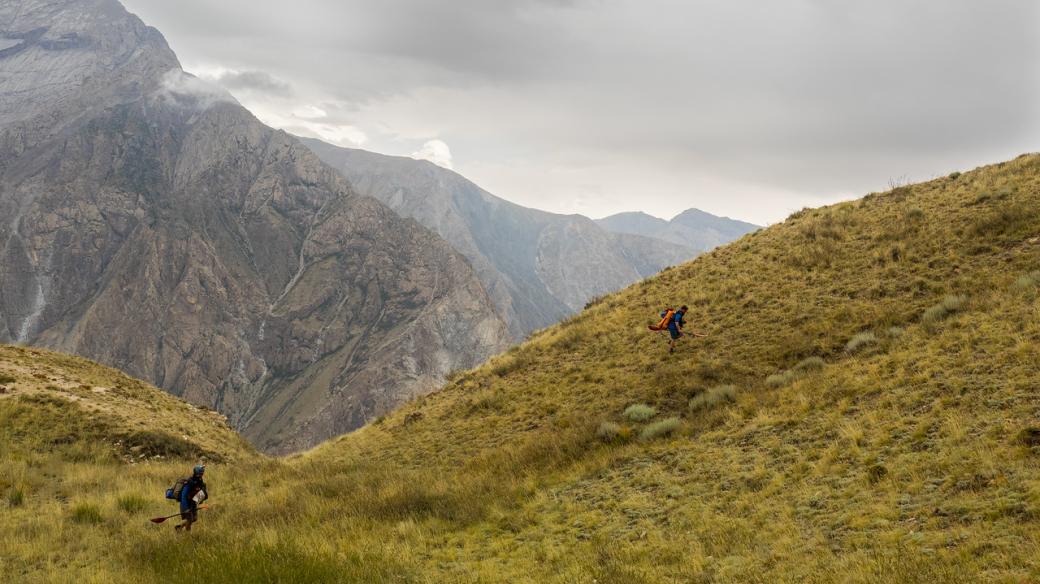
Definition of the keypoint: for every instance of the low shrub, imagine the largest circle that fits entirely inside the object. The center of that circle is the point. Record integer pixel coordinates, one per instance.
(639, 412)
(86, 514)
(895, 332)
(954, 175)
(661, 428)
(713, 397)
(941, 311)
(5, 379)
(861, 341)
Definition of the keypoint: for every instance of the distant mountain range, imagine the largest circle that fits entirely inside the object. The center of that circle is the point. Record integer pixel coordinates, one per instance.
(692, 228)
(537, 266)
(150, 222)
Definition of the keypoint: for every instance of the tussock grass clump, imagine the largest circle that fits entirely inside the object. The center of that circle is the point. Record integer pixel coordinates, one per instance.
(660, 428)
(914, 214)
(861, 341)
(237, 561)
(86, 514)
(1027, 283)
(132, 503)
(809, 364)
(16, 497)
(514, 360)
(6, 379)
(608, 431)
(1009, 221)
(639, 412)
(943, 310)
(802, 368)
(1029, 437)
(876, 473)
(778, 380)
(895, 332)
(712, 397)
(611, 432)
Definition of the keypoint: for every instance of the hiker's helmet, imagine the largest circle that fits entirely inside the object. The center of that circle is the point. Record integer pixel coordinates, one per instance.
(199, 470)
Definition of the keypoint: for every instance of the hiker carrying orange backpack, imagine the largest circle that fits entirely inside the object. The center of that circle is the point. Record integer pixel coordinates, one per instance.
(672, 321)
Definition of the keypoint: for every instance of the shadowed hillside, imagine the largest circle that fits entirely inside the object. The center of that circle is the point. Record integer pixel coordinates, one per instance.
(864, 409)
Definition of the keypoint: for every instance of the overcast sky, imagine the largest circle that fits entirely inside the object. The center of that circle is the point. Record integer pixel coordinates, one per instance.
(746, 109)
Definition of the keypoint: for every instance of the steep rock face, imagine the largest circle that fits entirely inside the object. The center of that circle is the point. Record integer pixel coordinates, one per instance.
(66, 60)
(693, 227)
(538, 267)
(166, 231)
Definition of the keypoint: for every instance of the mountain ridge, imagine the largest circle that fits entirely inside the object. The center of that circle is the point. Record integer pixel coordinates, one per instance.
(165, 230)
(538, 266)
(694, 228)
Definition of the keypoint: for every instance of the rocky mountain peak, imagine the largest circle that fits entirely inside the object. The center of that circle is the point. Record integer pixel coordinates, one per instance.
(75, 56)
(151, 223)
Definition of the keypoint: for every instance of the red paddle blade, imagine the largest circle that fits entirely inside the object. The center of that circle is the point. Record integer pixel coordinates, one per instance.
(158, 519)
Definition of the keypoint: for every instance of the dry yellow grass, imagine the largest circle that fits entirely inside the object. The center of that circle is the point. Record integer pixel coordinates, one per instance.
(912, 458)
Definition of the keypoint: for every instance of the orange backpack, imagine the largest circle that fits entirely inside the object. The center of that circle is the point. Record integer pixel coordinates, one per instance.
(666, 317)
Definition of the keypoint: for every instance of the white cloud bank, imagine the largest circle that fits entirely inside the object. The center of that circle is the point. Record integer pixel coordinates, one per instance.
(184, 87)
(436, 151)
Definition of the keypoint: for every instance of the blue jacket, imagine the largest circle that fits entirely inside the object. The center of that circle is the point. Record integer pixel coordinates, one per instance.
(677, 322)
(194, 485)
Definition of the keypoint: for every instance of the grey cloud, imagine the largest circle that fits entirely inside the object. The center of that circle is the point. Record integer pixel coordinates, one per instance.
(820, 98)
(254, 81)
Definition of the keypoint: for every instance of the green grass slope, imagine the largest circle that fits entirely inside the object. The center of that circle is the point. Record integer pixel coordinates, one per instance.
(883, 358)
(865, 408)
(85, 450)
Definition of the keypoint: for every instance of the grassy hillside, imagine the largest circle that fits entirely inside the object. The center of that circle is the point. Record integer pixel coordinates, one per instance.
(865, 408)
(85, 450)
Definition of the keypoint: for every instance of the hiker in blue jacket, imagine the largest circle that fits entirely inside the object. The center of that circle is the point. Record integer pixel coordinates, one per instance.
(675, 325)
(193, 493)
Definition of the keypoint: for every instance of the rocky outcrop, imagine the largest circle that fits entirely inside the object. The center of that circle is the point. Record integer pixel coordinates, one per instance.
(149, 222)
(538, 267)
